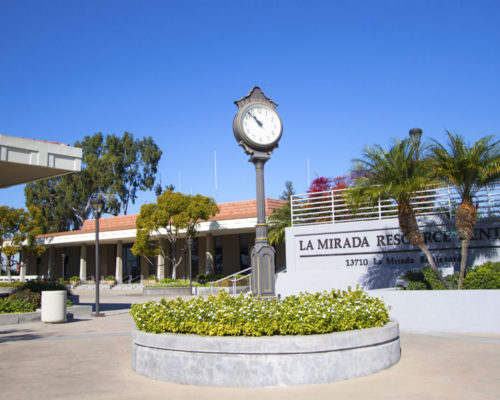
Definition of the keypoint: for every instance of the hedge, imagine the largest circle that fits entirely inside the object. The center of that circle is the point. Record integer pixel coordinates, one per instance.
(224, 315)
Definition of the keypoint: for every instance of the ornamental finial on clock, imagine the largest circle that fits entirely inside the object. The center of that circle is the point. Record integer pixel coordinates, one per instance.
(256, 95)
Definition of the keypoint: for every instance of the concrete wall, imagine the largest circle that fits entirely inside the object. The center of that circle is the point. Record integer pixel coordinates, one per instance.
(475, 311)
(373, 254)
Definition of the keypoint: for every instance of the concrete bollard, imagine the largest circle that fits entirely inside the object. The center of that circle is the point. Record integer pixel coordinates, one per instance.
(54, 306)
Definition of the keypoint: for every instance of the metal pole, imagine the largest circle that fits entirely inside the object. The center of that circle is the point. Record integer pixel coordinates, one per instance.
(333, 206)
(63, 256)
(262, 254)
(97, 266)
(190, 244)
(261, 227)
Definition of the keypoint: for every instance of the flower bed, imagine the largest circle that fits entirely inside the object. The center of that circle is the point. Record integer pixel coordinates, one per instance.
(224, 315)
(244, 341)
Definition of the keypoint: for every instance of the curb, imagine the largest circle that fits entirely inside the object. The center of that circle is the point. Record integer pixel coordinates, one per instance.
(35, 316)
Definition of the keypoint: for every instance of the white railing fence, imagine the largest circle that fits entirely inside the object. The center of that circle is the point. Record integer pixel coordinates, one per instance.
(332, 206)
(18, 278)
(233, 279)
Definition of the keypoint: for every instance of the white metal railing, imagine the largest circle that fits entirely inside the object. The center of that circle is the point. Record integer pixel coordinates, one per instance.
(16, 278)
(233, 281)
(332, 207)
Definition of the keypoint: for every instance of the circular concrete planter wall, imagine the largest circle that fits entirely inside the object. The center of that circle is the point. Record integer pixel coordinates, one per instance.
(265, 361)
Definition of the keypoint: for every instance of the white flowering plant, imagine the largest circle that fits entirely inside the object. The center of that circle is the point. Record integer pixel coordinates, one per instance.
(224, 315)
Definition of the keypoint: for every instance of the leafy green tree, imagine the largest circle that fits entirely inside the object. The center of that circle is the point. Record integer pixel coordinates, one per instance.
(55, 206)
(469, 168)
(281, 218)
(18, 231)
(134, 165)
(114, 168)
(172, 214)
(398, 174)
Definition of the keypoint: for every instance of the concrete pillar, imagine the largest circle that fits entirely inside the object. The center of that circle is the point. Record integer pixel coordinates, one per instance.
(209, 254)
(119, 262)
(160, 262)
(83, 262)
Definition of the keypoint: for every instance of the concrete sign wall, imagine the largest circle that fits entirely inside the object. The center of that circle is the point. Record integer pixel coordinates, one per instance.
(373, 254)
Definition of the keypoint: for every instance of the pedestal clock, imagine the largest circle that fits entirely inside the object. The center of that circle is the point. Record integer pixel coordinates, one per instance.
(257, 128)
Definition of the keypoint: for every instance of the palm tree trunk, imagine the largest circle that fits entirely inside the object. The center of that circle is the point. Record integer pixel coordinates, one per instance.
(465, 221)
(434, 268)
(411, 230)
(463, 263)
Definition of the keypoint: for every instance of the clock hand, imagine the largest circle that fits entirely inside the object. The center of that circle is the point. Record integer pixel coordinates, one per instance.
(255, 118)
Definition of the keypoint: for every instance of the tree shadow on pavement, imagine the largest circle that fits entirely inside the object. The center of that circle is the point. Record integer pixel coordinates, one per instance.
(22, 335)
(108, 306)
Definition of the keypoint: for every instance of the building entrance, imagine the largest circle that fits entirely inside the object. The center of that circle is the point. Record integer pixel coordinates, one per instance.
(131, 264)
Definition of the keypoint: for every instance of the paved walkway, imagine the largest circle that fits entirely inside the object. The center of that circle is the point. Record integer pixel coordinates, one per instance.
(90, 359)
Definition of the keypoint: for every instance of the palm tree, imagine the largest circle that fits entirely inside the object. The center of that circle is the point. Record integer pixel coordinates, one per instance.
(398, 174)
(281, 218)
(469, 169)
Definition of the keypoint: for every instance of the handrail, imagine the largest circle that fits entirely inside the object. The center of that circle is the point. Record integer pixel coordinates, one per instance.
(232, 280)
(131, 279)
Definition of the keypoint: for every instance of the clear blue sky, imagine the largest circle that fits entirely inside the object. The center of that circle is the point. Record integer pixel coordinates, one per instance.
(344, 73)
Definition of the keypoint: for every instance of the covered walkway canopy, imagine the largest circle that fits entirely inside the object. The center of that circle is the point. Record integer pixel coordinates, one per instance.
(27, 160)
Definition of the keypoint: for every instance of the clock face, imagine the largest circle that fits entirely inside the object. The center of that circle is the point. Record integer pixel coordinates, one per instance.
(261, 125)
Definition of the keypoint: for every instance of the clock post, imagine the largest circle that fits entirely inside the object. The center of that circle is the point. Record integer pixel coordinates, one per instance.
(257, 128)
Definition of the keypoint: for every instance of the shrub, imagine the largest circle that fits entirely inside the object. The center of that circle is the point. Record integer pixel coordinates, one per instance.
(11, 284)
(110, 278)
(173, 283)
(27, 295)
(74, 279)
(40, 286)
(425, 279)
(15, 306)
(152, 278)
(225, 315)
(486, 276)
(206, 277)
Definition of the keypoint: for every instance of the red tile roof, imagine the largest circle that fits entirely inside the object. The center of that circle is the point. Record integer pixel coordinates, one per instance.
(227, 211)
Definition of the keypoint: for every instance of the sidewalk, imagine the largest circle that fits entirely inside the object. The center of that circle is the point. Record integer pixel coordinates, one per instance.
(90, 359)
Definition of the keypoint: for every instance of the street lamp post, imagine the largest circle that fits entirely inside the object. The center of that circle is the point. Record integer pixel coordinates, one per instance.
(97, 204)
(190, 246)
(63, 256)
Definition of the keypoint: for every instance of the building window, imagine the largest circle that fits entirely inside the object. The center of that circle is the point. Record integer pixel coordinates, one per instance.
(194, 258)
(218, 255)
(244, 260)
(131, 263)
(39, 266)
